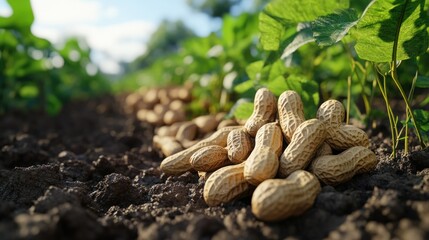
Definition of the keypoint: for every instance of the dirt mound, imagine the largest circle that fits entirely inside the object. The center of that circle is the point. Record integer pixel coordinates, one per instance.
(92, 173)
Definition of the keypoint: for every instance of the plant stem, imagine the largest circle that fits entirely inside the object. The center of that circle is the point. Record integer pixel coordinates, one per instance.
(408, 107)
(349, 86)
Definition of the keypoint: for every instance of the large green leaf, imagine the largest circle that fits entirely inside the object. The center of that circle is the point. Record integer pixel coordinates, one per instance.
(22, 16)
(302, 10)
(422, 82)
(331, 28)
(280, 13)
(392, 26)
(271, 32)
(302, 37)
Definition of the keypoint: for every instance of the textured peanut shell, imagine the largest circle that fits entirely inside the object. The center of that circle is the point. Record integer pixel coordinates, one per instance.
(225, 185)
(332, 113)
(210, 158)
(336, 169)
(308, 137)
(178, 163)
(347, 136)
(270, 135)
(239, 144)
(262, 164)
(263, 161)
(277, 199)
(264, 111)
(323, 150)
(291, 113)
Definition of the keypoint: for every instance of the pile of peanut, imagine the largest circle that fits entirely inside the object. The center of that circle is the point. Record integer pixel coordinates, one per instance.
(159, 106)
(277, 156)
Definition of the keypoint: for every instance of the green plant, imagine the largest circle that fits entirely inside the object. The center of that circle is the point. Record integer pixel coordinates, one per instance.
(372, 35)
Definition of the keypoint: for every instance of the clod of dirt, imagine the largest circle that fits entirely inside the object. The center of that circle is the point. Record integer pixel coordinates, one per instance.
(53, 197)
(420, 159)
(24, 185)
(75, 170)
(116, 189)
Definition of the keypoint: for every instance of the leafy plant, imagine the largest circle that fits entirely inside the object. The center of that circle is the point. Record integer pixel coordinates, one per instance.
(383, 33)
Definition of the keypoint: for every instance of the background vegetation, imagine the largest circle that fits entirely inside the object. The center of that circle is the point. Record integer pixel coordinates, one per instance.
(354, 51)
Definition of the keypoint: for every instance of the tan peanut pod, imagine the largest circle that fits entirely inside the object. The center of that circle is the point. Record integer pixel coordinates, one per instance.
(210, 158)
(189, 143)
(227, 123)
(291, 113)
(168, 145)
(239, 145)
(263, 161)
(151, 96)
(177, 105)
(337, 169)
(308, 137)
(141, 114)
(264, 111)
(206, 123)
(323, 150)
(278, 199)
(154, 118)
(184, 94)
(220, 116)
(187, 131)
(332, 113)
(160, 108)
(225, 185)
(178, 163)
(173, 116)
(347, 136)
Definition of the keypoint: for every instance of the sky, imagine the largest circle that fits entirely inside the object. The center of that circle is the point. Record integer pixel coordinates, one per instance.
(114, 30)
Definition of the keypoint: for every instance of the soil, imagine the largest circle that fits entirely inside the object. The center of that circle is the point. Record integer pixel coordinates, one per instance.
(92, 173)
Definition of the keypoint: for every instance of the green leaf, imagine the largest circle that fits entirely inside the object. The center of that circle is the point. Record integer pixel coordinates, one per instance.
(271, 32)
(422, 120)
(296, 11)
(422, 82)
(243, 87)
(278, 85)
(29, 91)
(254, 69)
(302, 37)
(331, 28)
(22, 16)
(243, 110)
(389, 27)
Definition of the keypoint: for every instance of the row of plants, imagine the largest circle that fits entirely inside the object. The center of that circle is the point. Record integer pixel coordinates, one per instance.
(353, 51)
(35, 74)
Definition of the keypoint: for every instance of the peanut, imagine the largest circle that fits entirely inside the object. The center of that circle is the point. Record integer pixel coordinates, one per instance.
(264, 111)
(323, 150)
(210, 158)
(336, 169)
(173, 116)
(340, 137)
(168, 145)
(225, 185)
(332, 113)
(277, 199)
(178, 163)
(308, 137)
(206, 123)
(263, 161)
(348, 136)
(226, 123)
(187, 131)
(239, 144)
(291, 113)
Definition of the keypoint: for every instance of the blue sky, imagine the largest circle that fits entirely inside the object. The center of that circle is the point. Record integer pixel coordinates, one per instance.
(115, 30)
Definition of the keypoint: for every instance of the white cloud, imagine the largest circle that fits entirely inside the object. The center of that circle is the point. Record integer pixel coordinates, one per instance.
(111, 43)
(67, 12)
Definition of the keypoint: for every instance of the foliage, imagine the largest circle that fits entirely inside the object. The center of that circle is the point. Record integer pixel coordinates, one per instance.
(36, 75)
(374, 39)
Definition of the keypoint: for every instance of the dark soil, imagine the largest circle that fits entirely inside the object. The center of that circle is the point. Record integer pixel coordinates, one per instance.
(91, 173)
